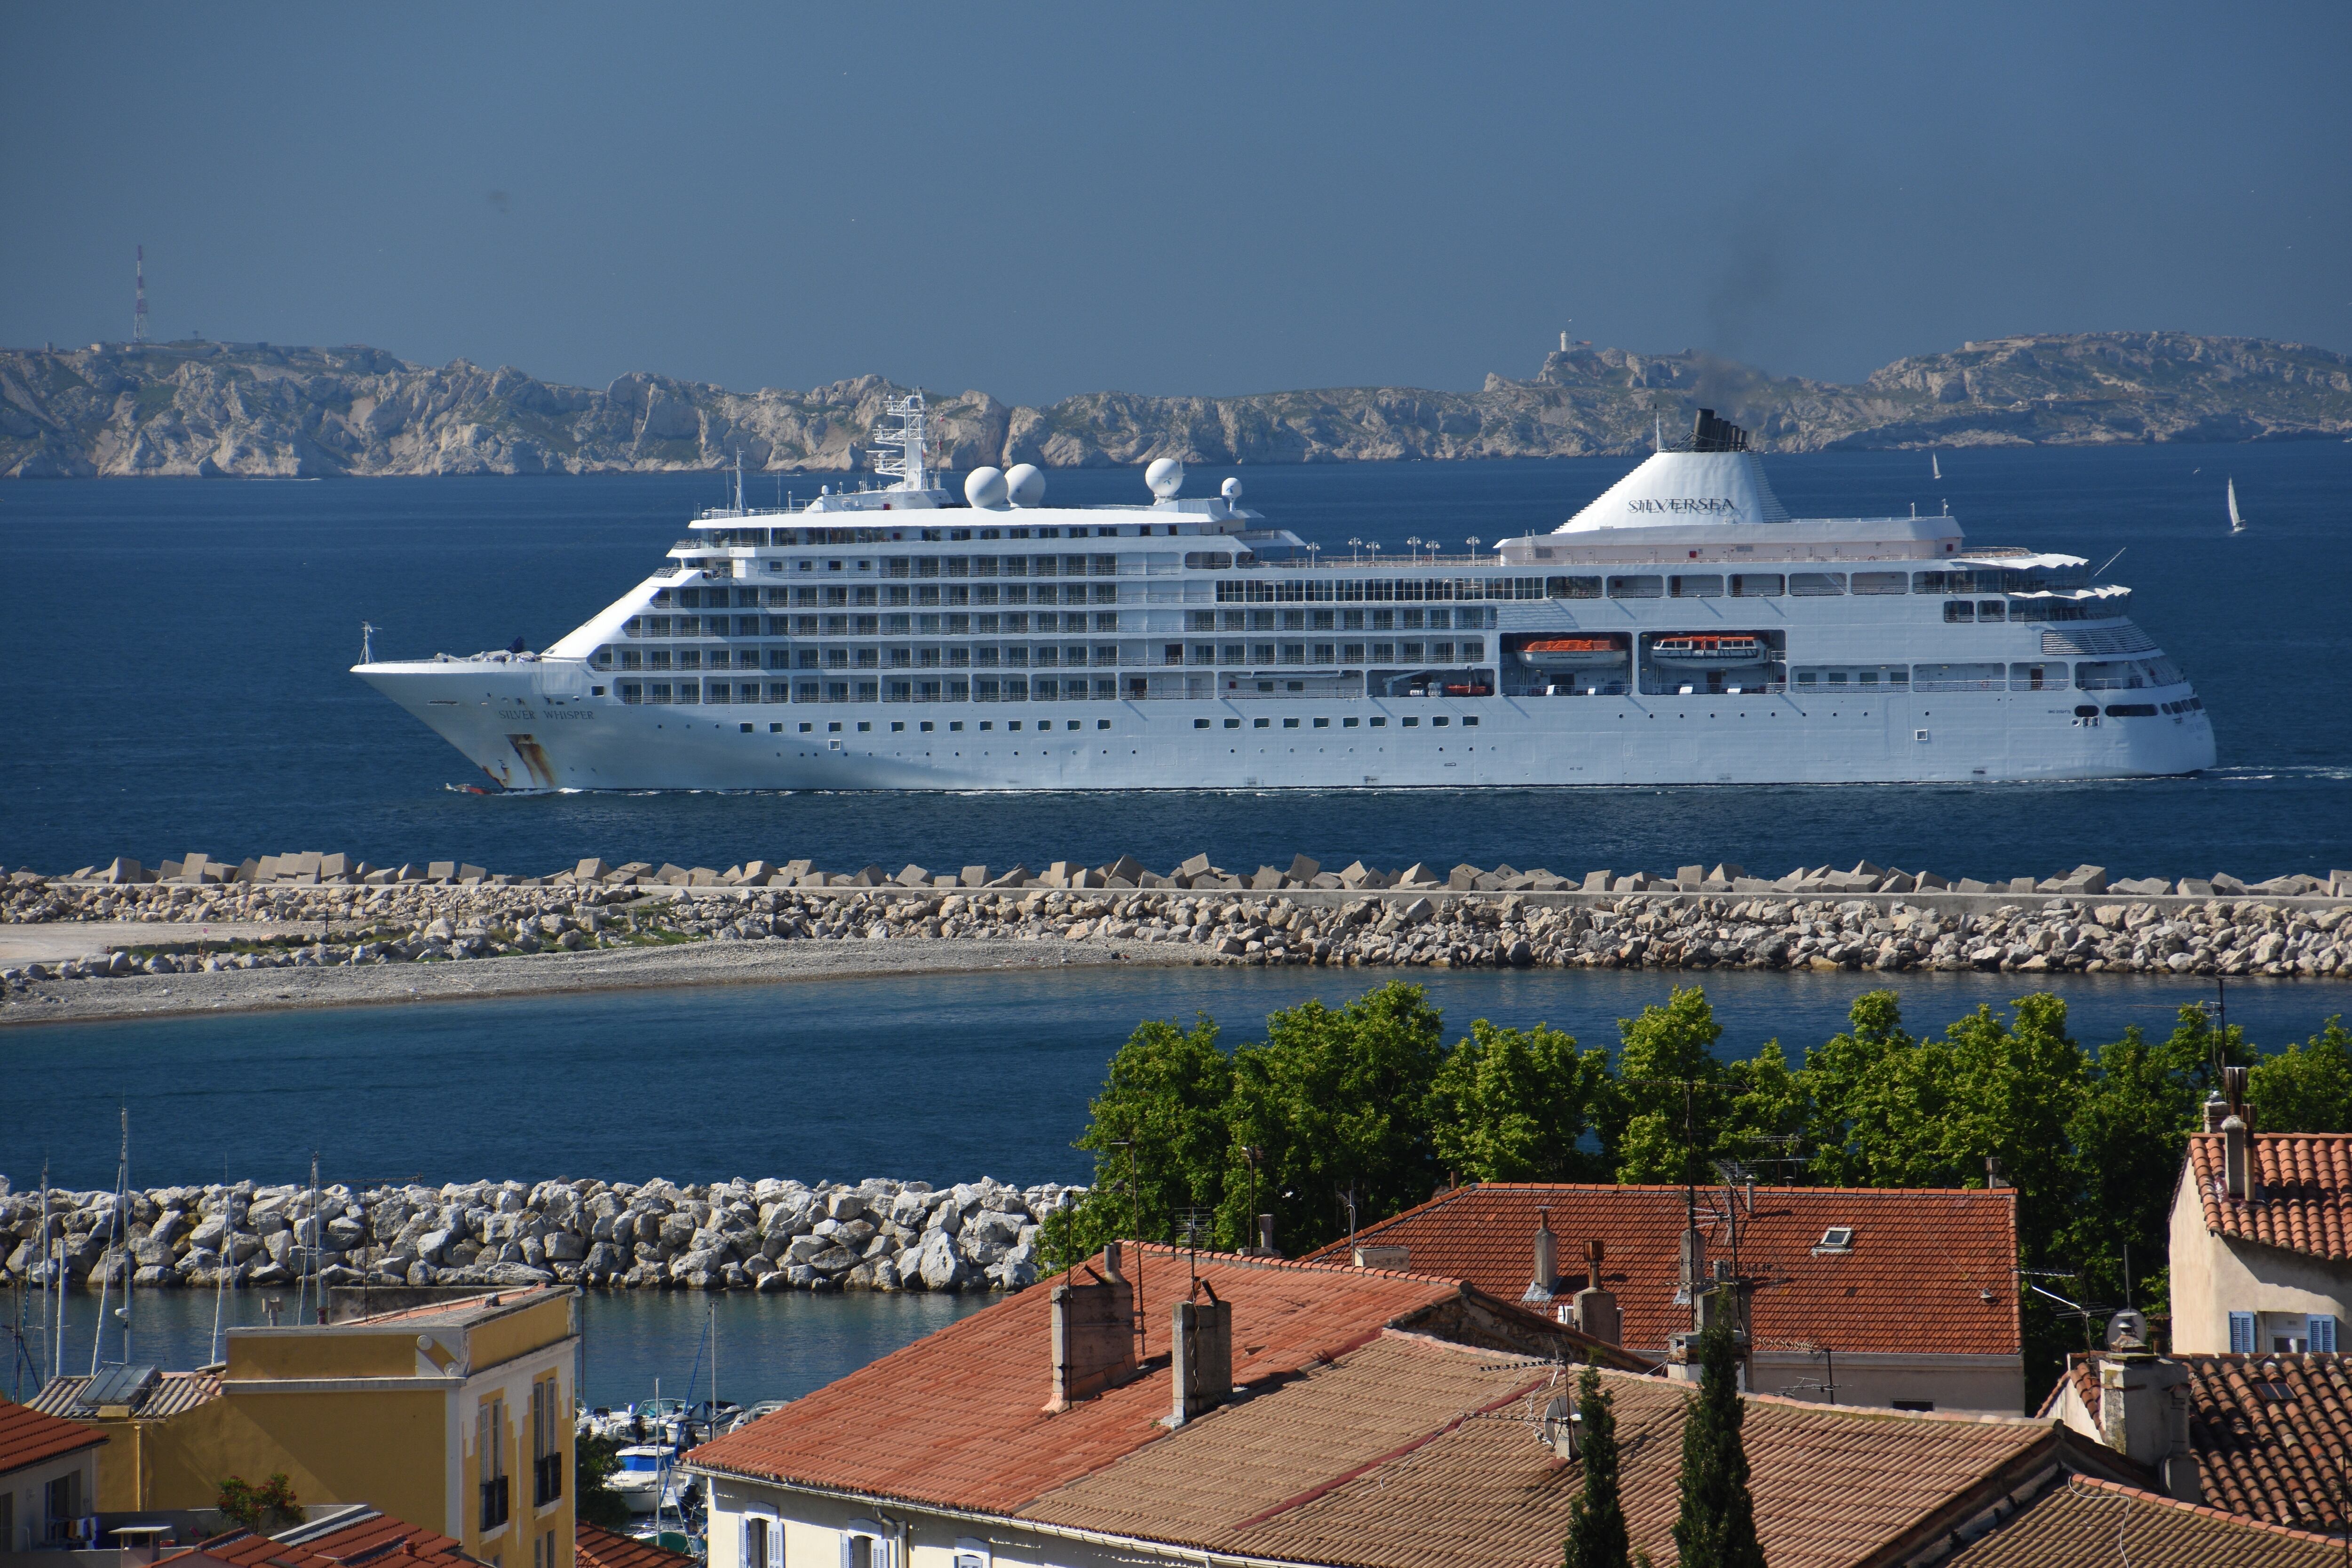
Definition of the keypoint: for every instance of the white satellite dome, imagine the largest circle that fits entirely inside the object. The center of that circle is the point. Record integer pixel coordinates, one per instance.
(984, 487)
(1230, 489)
(1166, 476)
(1025, 483)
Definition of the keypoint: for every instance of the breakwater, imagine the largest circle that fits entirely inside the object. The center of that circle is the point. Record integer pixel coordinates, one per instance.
(309, 910)
(769, 1235)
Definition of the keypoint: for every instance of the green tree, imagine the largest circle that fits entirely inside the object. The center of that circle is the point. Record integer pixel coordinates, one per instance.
(1668, 1074)
(255, 1506)
(1511, 1105)
(2306, 1087)
(1715, 1527)
(1159, 1137)
(1332, 1102)
(1596, 1519)
(595, 1458)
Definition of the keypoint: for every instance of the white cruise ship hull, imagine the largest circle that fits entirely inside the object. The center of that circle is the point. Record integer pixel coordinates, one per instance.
(525, 742)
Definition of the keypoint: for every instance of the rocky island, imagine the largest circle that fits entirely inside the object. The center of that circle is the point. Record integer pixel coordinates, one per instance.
(261, 410)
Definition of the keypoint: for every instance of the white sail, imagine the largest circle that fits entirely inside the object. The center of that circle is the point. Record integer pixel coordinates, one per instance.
(2237, 523)
(1934, 468)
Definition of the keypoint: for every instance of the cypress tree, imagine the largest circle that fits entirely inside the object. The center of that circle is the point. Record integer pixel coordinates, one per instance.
(1717, 1528)
(1596, 1521)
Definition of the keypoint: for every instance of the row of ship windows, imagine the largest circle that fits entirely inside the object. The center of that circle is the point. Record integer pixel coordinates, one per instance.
(2092, 675)
(746, 693)
(967, 623)
(1822, 584)
(786, 538)
(825, 595)
(1100, 656)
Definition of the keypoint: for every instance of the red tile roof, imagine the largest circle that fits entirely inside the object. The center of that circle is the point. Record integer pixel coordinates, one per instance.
(1412, 1453)
(2273, 1433)
(243, 1548)
(595, 1548)
(957, 1418)
(1929, 1270)
(2087, 1521)
(29, 1436)
(382, 1539)
(2304, 1187)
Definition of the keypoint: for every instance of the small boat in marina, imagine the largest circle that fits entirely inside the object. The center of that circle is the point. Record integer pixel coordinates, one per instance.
(1711, 647)
(1573, 653)
(647, 1478)
(2237, 523)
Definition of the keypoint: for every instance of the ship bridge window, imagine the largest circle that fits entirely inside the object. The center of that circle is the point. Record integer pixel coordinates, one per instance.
(1636, 587)
(1882, 583)
(2037, 677)
(1803, 585)
(1695, 586)
(1957, 610)
(1759, 585)
(1989, 609)
(1573, 587)
(1209, 559)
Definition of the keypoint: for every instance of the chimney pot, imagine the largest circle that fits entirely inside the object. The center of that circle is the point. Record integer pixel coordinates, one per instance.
(1265, 1236)
(2215, 1108)
(1202, 1346)
(1547, 1274)
(1593, 1253)
(2234, 1175)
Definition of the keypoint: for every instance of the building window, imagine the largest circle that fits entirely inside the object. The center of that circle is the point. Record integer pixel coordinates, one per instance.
(762, 1536)
(2241, 1333)
(547, 1424)
(491, 1458)
(2320, 1336)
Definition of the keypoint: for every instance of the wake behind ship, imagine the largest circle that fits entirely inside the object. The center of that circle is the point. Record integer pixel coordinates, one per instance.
(1683, 628)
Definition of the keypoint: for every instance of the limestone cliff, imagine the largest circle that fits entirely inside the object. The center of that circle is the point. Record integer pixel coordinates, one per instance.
(257, 409)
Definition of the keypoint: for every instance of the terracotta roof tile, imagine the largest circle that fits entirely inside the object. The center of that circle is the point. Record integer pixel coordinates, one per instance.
(595, 1548)
(243, 1548)
(1917, 1277)
(2272, 1433)
(2088, 1520)
(2304, 1183)
(1409, 1453)
(957, 1418)
(29, 1437)
(382, 1540)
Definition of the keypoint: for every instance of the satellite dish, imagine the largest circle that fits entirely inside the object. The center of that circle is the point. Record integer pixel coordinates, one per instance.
(1166, 476)
(1025, 483)
(1230, 489)
(984, 487)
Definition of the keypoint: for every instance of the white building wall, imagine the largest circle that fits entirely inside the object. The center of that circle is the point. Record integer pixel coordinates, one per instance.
(2213, 1276)
(28, 1489)
(815, 1526)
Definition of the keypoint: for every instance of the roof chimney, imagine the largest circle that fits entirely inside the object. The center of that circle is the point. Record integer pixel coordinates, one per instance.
(1203, 1361)
(1094, 1334)
(2143, 1414)
(1546, 1277)
(1264, 1247)
(1595, 1312)
(2215, 1108)
(2233, 1158)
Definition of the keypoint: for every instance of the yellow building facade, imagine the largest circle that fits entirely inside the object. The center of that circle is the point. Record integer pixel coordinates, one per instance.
(450, 1411)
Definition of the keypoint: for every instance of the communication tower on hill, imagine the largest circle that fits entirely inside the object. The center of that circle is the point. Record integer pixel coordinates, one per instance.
(139, 306)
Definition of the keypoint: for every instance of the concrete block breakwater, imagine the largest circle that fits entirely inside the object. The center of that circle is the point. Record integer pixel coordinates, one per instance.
(770, 1235)
(1715, 917)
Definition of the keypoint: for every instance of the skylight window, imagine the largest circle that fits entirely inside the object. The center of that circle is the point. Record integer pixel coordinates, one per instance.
(1837, 1238)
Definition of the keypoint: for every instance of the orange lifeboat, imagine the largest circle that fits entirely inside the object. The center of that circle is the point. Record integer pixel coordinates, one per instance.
(1572, 652)
(1711, 647)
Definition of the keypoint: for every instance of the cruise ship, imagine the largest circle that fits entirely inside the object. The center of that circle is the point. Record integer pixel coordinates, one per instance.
(1682, 629)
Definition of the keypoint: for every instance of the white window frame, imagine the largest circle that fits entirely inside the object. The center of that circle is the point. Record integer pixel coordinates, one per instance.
(973, 1552)
(878, 1550)
(2243, 1332)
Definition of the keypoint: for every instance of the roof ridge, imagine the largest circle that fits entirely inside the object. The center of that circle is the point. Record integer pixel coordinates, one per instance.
(2077, 1478)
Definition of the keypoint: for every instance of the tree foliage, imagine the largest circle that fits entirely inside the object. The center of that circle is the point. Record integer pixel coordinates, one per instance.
(1596, 1521)
(257, 1506)
(595, 1460)
(2306, 1087)
(1715, 1526)
(1513, 1105)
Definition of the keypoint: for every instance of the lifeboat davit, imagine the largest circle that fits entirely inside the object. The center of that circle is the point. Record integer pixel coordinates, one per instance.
(1711, 647)
(1573, 653)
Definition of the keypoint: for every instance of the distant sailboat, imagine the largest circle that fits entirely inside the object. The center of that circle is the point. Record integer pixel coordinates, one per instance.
(1934, 468)
(2237, 523)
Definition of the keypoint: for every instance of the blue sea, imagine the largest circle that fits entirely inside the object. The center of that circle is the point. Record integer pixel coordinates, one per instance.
(179, 655)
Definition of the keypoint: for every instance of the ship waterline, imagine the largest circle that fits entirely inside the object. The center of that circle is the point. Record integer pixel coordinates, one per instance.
(884, 639)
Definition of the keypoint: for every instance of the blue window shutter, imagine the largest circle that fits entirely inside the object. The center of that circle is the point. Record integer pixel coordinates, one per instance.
(2321, 1334)
(744, 1551)
(775, 1543)
(2242, 1342)
(848, 1552)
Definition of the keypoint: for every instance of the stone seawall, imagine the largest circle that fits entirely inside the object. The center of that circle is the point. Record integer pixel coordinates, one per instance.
(770, 1235)
(1868, 918)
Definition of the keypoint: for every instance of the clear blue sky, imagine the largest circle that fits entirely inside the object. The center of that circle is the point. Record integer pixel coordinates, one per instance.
(1041, 199)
